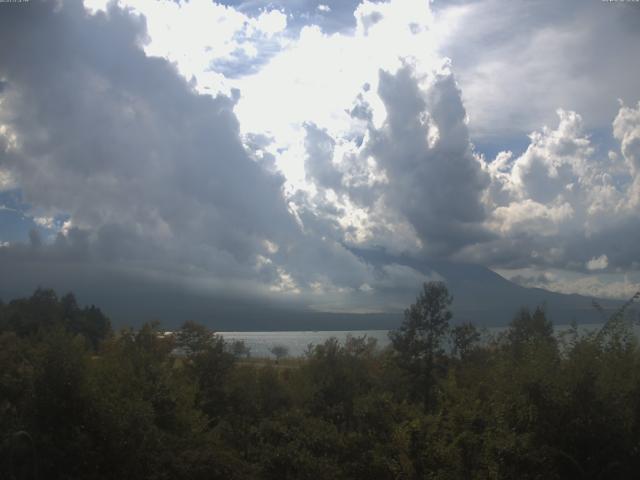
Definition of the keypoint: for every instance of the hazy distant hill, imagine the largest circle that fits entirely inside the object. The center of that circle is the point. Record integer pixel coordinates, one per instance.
(487, 299)
(483, 296)
(480, 296)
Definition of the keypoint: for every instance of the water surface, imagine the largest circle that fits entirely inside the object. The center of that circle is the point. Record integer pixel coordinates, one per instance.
(297, 343)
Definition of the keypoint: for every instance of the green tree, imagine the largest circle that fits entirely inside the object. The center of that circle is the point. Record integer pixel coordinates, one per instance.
(44, 310)
(464, 338)
(527, 331)
(419, 340)
(337, 375)
(239, 349)
(279, 351)
(208, 361)
(26, 316)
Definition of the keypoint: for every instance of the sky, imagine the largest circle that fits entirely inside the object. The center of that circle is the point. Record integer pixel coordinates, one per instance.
(254, 150)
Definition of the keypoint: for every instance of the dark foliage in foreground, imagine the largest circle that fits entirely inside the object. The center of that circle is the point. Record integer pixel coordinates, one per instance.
(78, 401)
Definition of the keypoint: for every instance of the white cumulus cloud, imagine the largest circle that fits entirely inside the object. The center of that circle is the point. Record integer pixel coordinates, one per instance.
(599, 263)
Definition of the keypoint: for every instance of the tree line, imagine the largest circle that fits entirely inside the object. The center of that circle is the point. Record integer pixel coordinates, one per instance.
(79, 400)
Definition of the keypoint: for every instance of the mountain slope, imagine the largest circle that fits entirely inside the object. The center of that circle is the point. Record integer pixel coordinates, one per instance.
(488, 299)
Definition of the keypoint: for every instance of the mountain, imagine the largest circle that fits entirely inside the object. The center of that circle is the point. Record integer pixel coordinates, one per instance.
(480, 296)
(487, 299)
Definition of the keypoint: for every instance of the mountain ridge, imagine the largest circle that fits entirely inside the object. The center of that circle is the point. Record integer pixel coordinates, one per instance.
(480, 296)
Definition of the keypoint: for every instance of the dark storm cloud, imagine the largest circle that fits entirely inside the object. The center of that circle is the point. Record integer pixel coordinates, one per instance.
(319, 162)
(148, 169)
(519, 61)
(424, 177)
(438, 186)
(150, 182)
(153, 177)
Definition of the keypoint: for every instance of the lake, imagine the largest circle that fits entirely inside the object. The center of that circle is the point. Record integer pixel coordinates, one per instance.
(260, 343)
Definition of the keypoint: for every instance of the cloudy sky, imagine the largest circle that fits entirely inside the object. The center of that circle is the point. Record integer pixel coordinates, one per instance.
(256, 149)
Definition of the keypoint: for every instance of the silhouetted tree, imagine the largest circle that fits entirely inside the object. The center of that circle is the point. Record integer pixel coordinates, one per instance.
(527, 330)
(419, 340)
(43, 311)
(209, 363)
(279, 351)
(239, 349)
(463, 338)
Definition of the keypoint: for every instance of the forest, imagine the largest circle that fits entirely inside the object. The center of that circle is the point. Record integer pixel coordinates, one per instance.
(81, 400)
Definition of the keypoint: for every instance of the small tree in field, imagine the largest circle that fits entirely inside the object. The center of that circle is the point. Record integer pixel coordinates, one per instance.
(279, 351)
(419, 340)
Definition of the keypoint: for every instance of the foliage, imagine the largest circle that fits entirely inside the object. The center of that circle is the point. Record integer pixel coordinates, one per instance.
(145, 404)
(44, 310)
(279, 351)
(464, 339)
(420, 340)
